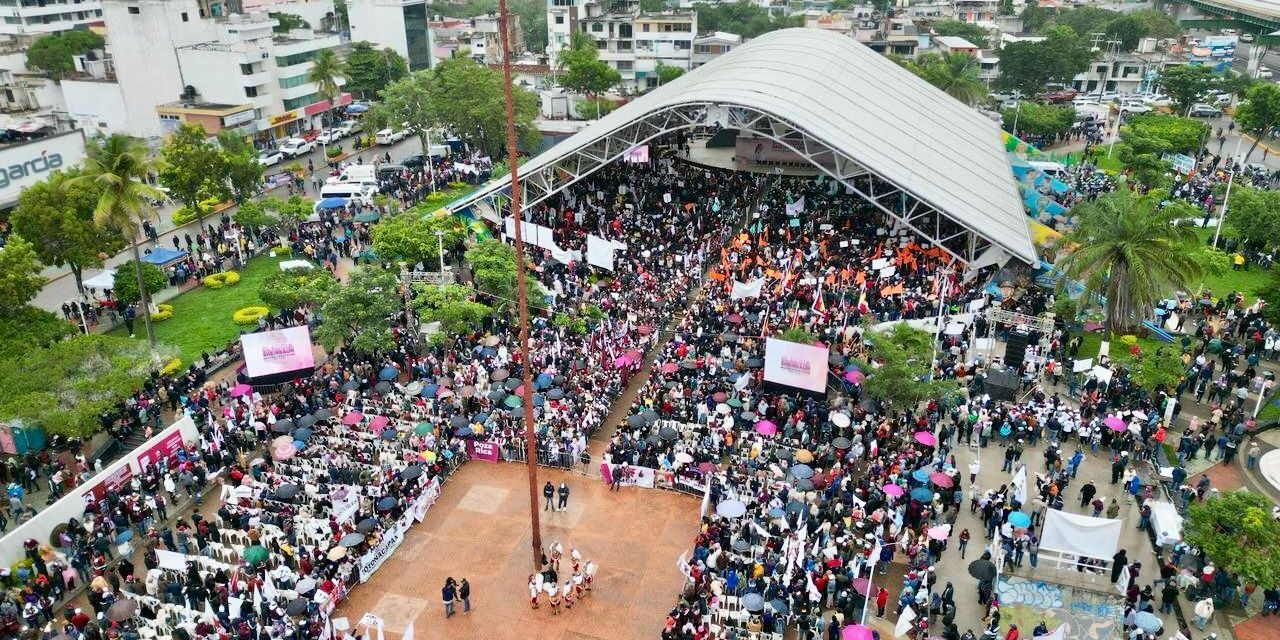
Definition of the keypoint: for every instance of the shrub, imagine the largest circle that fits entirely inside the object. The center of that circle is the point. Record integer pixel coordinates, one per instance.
(171, 367)
(183, 215)
(249, 315)
(280, 251)
(295, 168)
(163, 312)
(458, 184)
(220, 280)
(333, 152)
(1129, 339)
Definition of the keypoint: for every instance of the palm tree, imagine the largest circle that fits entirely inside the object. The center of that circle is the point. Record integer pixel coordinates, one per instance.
(120, 166)
(1129, 250)
(953, 72)
(326, 70)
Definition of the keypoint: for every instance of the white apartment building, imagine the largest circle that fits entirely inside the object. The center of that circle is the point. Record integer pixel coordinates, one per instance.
(170, 65)
(398, 24)
(46, 16)
(708, 47)
(562, 20)
(635, 42)
(478, 38)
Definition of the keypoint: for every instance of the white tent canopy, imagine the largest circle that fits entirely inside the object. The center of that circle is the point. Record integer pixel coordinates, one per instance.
(104, 280)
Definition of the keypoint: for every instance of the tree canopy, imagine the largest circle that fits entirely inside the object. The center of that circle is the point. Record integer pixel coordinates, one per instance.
(1037, 119)
(744, 18)
(1259, 114)
(20, 279)
(899, 373)
(240, 162)
(1130, 250)
(55, 54)
(584, 71)
(452, 305)
(1186, 83)
(411, 237)
(287, 22)
(1146, 138)
(1253, 215)
(288, 288)
(1236, 531)
(56, 215)
(971, 32)
(493, 270)
(193, 169)
(126, 286)
(358, 312)
(1028, 66)
(955, 73)
(371, 69)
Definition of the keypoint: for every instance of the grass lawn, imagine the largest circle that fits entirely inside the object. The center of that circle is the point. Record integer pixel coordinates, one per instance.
(1248, 282)
(1118, 351)
(202, 317)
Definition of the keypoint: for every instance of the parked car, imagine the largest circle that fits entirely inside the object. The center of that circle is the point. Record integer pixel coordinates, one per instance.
(1134, 106)
(328, 136)
(1246, 37)
(390, 136)
(347, 127)
(294, 147)
(270, 157)
(1001, 96)
(1155, 99)
(1202, 110)
(1058, 97)
(414, 161)
(1264, 72)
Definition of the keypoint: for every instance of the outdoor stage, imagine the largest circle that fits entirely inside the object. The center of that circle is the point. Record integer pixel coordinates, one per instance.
(727, 158)
(479, 530)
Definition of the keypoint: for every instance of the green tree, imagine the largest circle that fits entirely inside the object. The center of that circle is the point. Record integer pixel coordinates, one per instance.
(1159, 25)
(1006, 8)
(743, 17)
(1158, 369)
(900, 377)
(1086, 20)
(253, 215)
(54, 54)
(1028, 66)
(194, 170)
(452, 305)
(243, 171)
(289, 288)
(66, 387)
(1146, 138)
(1253, 215)
(411, 237)
(584, 71)
(329, 72)
(1185, 84)
(954, 73)
(1128, 29)
(406, 103)
(668, 73)
(358, 313)
(26, 328)
(1038, 119)
(370, 70)
(293, 211)
(287, 22)
(1131, 251)
(58, 219)
(1259, 114)
(1236, 531)
(971, 32)
(119, 166)
(20, 279)
(126, 289)
(1033, 17)
(493, 271)
(797, 335)
(466, 98)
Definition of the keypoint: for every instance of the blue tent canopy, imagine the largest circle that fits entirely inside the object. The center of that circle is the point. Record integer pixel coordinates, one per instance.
(161, 256)
(357, 108)
(332, 203)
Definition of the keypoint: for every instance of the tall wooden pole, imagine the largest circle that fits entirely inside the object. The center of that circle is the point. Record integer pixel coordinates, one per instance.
(530, 429)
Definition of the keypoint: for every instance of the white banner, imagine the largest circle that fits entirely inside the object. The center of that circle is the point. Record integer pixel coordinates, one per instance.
(370, 562)
(796, 208)
(641, 477)
(904, 622)
(600, 252)
(425, 500)
(1020, 486)
(1080, 535)
(1122, 580)
(345, 509)
(171, 560)
(1057, 634)
(747, 290)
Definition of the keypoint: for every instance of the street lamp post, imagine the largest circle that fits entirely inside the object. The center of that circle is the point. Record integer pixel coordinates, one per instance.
(440, 242)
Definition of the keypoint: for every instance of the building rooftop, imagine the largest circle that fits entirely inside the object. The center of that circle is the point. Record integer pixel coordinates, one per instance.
(954, 42)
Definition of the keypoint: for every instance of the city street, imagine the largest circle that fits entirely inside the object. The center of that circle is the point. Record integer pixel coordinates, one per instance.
(62, 287)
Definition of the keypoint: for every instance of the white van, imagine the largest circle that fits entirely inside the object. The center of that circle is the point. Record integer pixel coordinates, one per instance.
(390, 136)
(363, 192)
(356, 173)
(1051, 168)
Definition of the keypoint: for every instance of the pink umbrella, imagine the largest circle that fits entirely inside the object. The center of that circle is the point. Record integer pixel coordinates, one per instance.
(644, 329)
(926, 438)
(892, 490)
(707, 467)
(1114, 423)
(939, 532)
(284, 452)
(861, 585)
(377, 423)
(767, 428)
(856, 632)
(621, 361)
(734, 318)
(719, 396)
(942, 480)
(633, 354)
(669, 367)
(241, 390)
(443, 392)
(352, 418)
(281, 441)
(854, 377)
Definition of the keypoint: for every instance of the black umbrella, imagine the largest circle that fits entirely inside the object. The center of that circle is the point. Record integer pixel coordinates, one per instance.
(740, 545)
(783, 454)
(670, 384)
(458, 421)
(366, 525)
(511, 384)
(555, 394)
(689, 364)
(835, 359)
(635, 420)
(351, 385)
(297, 607)
(650, 416)
(755, 363)
(383, 387)
(982, 569)
(668, 433)
(804, 485)
(652, 438)
(497, 395)
(729, 337)
(122, 610)
(283, 426)
(386, 504)
(411, 472)
(306, 421)
(287, 491)
(841, 443)
(323, 414)
(558, 380)
(354, 539)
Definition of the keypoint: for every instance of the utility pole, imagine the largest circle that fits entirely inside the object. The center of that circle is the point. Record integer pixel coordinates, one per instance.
(440, 241)
(513, 164)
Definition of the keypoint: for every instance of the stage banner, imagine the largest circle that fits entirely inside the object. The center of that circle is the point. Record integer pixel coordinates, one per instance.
(482, 450)
(747, 289)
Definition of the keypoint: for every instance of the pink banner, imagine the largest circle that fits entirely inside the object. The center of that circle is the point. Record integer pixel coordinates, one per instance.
(480, 450)
(606, 473)
(161, 451)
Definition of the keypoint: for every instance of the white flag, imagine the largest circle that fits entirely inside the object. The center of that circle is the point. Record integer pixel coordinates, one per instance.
(269, 588)
(408, 632)
(1057, 634)
(747, 289)
(1020, 486)
(209, 613)
(796, 208)
(904, 622)
(257, 601)
(1122, 580)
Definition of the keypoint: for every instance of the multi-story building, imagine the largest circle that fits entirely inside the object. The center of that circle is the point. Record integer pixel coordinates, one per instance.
(977, 11)
(169, 65)
(46, 16)
(562, 21)
(477, 38)
(636, 43)
(398, 24)
(709, 46)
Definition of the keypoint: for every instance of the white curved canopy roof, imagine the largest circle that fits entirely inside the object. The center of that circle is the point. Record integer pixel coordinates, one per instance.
(863, 105)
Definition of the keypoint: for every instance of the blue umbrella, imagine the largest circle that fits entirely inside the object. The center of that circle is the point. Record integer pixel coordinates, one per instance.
(480, 417)
(388, 373)
(357, 108)
(429, 391)
(753, 602)
(922, 494)
(777, 512)
(1147, 621)
(447, 454)
(386, 504)
(1019, 519)
(801, 471)
(921, 474)
(299, 445)
(731, 509)
(124, 536)
(464, 432)
(332, 203)
(542, 381)
(538, 400)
